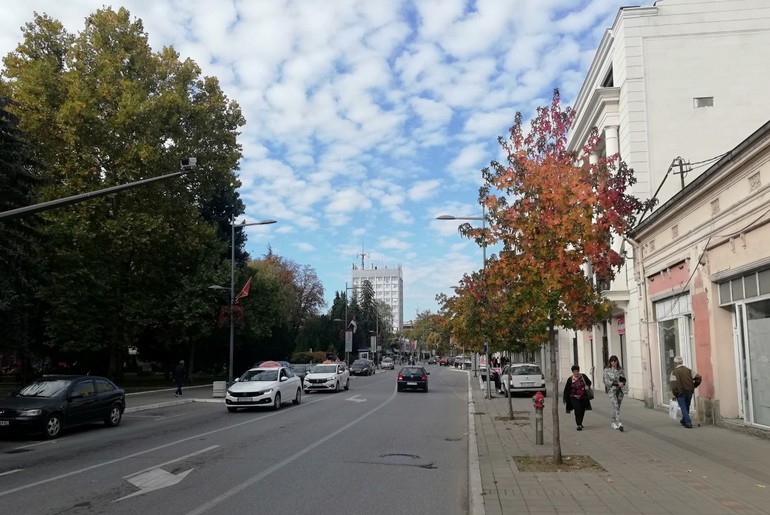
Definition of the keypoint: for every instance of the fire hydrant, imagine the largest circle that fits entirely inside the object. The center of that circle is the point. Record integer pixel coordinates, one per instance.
(539, 400)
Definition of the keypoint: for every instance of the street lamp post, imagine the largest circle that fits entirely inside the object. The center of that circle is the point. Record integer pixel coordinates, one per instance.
(483, 219)
(232, 286)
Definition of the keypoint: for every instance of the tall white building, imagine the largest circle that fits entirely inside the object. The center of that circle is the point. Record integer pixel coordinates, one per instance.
(388, 285)
(679, 78)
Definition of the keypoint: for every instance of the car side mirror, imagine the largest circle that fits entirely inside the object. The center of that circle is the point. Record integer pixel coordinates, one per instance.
(283, 378)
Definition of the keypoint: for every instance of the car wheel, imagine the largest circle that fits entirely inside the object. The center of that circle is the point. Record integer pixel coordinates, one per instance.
(53, 426)
(115, 416)
(347, 384)
(298, 397)
(426, 389)
(337, 387)
(232, 410)
(277, 402)
(398, 388)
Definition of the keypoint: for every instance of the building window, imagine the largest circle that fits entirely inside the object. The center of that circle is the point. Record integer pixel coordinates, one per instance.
(699, 102)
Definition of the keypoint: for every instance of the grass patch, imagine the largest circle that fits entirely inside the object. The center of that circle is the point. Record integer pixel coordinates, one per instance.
(546, 464)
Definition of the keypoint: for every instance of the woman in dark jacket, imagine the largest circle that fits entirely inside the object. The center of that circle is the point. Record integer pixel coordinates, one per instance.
(575, 395)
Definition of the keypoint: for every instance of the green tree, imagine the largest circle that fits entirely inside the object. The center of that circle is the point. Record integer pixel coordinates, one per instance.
(102, 109)
(20, 246)
(554, 212)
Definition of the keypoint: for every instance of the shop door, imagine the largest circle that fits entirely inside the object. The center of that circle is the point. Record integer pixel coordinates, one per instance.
(758, 362)
(674, 337)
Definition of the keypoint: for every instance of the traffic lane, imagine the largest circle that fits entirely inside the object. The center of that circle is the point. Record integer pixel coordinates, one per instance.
(409, 455)
(254, 443)
(173, 444)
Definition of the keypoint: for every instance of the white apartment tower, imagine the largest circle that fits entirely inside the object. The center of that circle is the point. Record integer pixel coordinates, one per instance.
(388, 285)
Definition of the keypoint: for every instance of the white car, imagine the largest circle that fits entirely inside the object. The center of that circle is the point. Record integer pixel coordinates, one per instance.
(387, 363)
(525, 377)
(327, 377)
(264, 386)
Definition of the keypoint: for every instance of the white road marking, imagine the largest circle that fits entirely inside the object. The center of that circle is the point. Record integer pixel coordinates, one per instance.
(141, 453)
(35, 444)
(355, 399)
(10, 472)
(207, 449)
(154, 479)
(246, 484)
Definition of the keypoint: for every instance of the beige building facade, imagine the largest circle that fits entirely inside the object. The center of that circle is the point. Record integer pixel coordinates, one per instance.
(672, 87)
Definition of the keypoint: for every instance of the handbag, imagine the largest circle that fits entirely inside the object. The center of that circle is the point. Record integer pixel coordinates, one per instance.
(672, 409)
(588, 390)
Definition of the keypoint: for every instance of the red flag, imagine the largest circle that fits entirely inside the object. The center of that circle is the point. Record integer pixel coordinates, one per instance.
(244, 291)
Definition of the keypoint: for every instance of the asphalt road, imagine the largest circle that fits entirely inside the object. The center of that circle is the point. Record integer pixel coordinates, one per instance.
(368, 450)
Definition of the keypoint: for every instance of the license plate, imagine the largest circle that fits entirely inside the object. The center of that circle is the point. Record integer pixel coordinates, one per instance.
(527, 383)
(411, 384)
(245, 399)
(4, 423)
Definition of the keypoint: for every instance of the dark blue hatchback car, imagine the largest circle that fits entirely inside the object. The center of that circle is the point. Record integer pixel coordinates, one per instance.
(53, 403)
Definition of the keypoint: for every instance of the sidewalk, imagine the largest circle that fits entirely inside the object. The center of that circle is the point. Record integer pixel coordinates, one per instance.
(654, 467)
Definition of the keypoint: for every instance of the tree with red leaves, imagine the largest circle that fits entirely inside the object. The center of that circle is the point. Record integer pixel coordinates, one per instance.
(552, 211)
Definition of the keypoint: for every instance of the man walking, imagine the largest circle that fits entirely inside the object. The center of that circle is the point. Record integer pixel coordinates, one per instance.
(180, 374)
(683, 384)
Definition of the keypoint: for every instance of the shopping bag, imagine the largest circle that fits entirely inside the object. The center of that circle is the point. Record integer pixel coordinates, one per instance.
(672, 410)
(589, 393)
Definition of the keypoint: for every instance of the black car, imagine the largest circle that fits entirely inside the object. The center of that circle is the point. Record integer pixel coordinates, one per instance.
(412, 378)
(362, 367)
(53, 403)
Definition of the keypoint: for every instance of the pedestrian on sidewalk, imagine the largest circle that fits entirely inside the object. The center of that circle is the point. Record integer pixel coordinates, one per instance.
(180, 374)
(575, 397)
(683, 384)
(615, 386)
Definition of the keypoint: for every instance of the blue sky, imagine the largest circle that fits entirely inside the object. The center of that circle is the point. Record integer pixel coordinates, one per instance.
(366, 119)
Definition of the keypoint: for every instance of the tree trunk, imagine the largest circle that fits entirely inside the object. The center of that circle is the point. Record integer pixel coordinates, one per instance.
(555, 403)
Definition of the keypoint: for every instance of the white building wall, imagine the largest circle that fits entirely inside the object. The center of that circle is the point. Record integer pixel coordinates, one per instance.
(388, 285)
(662, 57)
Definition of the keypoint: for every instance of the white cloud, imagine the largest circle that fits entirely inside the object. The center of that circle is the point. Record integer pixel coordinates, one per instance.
(367, 117)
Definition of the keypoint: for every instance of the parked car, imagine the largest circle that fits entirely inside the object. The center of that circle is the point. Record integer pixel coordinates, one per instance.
(362, 367)
(412, 378)
(301, 370)
(525, 378)
(264, 386)
(387, 363)
(54, 403)
(432, 360)
(327, 377)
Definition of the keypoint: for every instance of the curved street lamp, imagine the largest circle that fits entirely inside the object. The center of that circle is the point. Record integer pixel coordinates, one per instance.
(483, 219)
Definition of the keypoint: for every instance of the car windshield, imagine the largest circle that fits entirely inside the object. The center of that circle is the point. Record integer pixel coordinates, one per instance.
(260, 375)
(412, 371)
(359, 363)
(45, 388)
(525, 371)
(325, 369)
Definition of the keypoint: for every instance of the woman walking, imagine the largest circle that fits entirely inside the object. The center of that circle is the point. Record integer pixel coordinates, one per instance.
(615, 386)
(575, 395)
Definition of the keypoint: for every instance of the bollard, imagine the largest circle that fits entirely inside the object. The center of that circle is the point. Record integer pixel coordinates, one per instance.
(539, 400)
